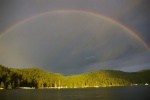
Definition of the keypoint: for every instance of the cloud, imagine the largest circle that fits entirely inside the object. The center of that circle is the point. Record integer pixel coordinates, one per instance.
(70, 42)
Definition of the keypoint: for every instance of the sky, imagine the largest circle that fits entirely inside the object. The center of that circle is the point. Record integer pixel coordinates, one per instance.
(75, 36)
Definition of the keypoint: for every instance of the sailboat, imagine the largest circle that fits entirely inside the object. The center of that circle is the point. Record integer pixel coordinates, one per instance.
(1, 88)
(96, 86)
(59, 85)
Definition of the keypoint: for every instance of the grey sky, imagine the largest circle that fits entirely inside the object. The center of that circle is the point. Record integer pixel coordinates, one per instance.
(74, 42)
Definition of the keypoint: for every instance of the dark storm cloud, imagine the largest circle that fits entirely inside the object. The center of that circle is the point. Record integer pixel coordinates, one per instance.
(136, 16)
(69, 43)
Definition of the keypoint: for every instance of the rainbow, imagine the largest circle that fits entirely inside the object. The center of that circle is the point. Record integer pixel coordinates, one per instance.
(81, 11)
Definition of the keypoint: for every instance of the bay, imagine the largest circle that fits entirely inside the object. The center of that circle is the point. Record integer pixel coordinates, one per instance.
(103, 93)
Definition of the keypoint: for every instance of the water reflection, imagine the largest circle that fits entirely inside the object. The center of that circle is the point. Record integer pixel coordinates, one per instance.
(107, 93)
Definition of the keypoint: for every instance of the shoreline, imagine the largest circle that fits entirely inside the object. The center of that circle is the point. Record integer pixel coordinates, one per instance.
(33, 88)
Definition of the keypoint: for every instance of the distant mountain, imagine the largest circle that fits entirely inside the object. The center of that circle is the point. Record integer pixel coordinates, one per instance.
(34, 77)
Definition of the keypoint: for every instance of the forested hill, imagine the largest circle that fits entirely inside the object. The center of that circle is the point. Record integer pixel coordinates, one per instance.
(35, 77)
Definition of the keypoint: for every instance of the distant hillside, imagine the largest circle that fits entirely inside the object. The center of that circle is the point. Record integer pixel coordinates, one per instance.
(35, 77)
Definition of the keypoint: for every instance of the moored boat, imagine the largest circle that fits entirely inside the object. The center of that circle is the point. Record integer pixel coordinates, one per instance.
(26, 87)
(1, 88)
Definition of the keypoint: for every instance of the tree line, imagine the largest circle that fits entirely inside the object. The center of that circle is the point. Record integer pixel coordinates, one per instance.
(11, 78)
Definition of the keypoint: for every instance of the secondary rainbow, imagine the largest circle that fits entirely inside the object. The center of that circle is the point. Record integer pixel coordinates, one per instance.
(81, 11)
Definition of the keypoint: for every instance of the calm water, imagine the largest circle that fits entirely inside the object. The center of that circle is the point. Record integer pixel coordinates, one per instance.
(109, 93)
